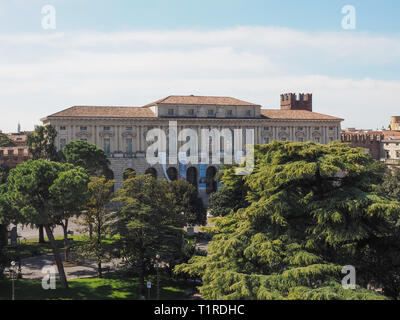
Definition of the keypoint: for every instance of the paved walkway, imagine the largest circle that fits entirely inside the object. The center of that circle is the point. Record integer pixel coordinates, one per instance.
(33, 233)
(32, 267)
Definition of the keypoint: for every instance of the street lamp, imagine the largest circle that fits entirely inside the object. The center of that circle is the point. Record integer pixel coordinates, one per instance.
(158, 276)
(12, 273)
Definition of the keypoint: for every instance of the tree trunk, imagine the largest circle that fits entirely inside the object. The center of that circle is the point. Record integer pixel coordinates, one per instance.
(66, 242)
(99, 271)
(90, 231)
(141, 282)
(41, 234)
(57, 257)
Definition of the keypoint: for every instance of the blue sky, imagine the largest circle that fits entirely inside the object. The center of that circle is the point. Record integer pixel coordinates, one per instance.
(107, 15)
(126, 52)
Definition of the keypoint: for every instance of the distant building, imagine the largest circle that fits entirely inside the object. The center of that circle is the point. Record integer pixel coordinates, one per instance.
(382, 145)
(12, 156)
(395, 123)
(121, 131)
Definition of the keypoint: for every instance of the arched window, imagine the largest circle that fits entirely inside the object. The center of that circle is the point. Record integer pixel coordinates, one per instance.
(151, 171)
(172, 173)
(191, 176)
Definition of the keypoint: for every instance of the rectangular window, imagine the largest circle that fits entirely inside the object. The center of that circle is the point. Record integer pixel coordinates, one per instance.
(63, 128)
(283, 128)
(129, 145)
(191, 112)
(283, 139)
(83, 128)
(266, 140)
(229, 113)
(300, 128)
(107, 148)
(128, 128)
(301, 139)
(266, 128)
(316, 128)
(170, 112)
(398, 154)
(316, 140)
(331, 128)
(107, 128)
(248, 113)
(210, 112)
(83, 139)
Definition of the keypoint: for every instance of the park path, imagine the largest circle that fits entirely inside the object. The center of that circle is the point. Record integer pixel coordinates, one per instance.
(26, 232)
(32, 267)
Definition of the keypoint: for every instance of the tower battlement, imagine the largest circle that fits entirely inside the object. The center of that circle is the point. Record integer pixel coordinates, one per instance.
(290, 101)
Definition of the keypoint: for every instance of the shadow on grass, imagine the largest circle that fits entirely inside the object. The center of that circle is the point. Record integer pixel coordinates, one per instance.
(109, 288)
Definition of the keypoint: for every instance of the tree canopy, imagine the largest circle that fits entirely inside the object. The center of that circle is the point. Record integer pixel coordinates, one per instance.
(41, 143)
(186, 199)
(312, 209)
(43, 193)
(148, 224)
(88, 156)
(5, 141)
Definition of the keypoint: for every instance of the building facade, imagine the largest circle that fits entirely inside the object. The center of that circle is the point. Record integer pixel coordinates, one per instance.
(121, 131)
(382, 145)
(12, 156)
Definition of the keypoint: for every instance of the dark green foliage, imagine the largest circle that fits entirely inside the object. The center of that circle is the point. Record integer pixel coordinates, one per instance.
(86, 155)
(312, 209)
(186, 199)
(44, 193)
(148, 224)
(231, 196)
(41, 143)
(6, 141)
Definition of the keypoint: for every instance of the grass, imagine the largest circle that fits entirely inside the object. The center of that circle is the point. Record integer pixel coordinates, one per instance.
(31, 247)
(110, 287)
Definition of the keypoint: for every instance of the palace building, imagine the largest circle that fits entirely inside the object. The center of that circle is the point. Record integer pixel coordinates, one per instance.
(121, 131)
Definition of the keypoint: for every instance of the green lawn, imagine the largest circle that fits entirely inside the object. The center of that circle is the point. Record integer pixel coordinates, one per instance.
(108, 288)
(31, 247)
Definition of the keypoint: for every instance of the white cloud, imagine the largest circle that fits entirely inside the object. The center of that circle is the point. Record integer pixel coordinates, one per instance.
(42, 73)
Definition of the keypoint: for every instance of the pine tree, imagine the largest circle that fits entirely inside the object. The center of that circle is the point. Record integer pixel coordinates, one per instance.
(312, 210)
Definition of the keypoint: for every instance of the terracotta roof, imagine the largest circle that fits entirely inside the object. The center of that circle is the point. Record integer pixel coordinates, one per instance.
(202, 100)
(103, 112)
(295, 115)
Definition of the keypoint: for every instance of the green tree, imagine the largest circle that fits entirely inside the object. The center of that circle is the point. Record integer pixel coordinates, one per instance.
(3, 174)
(5, 141)
(99, 218)
(41, 145)
(88, 156)
(312, 209)
(186, 200)
(39, 190)
(231, 196)
(4, 221)
(148, 224)
(71, 196)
